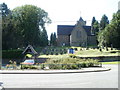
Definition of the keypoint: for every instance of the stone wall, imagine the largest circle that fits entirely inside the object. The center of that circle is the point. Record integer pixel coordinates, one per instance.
(78, 36)
(92, 40)
(63, 39)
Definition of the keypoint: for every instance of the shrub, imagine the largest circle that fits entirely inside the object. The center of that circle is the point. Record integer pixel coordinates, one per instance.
(47, 53)
(12, 54)
(113, 52)
(72, 63)
(70, 66)
(72, 56)
(100, 50)
(61, 52)
(75, 49)
(51, 53)
(29, 67)
(55, 66)
(56, 53)
(42, 66)
(65, 51)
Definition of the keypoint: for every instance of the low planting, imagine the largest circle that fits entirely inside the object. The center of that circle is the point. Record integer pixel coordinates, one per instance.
(71, 63)
(60, 64)
(29, 67)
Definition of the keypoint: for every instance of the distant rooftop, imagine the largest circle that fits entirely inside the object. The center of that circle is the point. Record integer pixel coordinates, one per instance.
(64, 29)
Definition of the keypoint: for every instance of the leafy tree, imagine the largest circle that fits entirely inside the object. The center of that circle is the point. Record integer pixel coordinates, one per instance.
(96, 26)
(104, 22)
(26, 25)
(111, 33)
(53, 39)
(7, 27)
(44, 38)
(92, 27)
(4, 9)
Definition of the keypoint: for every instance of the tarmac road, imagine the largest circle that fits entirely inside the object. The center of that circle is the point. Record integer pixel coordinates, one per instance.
(107, 79)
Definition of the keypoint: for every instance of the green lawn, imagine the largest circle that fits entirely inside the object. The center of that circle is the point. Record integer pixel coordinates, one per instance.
(96, 53)
(116, 62)
(86, 53)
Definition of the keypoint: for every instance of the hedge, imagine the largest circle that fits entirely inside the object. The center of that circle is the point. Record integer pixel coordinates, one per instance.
(12, 54)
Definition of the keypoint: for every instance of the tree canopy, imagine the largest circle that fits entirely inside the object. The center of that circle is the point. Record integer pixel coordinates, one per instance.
(27, 27)
(104, 22)
(53, 39)
(94, 26)
(111, 34)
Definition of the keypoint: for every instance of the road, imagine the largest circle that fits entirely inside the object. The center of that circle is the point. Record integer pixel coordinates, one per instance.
(107, 79)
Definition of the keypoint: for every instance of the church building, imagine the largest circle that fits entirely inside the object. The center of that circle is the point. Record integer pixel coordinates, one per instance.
(76, 35)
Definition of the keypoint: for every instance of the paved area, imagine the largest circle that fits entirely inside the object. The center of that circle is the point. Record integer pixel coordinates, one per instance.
(83, 70)
(107, 79)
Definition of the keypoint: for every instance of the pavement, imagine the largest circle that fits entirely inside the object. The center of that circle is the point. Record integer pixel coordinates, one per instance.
(83, 70)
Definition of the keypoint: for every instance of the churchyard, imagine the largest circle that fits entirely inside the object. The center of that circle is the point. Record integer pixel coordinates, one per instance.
(60, 58)
(62, 52)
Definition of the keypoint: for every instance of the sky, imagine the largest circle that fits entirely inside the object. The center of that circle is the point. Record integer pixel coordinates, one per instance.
(67, 12)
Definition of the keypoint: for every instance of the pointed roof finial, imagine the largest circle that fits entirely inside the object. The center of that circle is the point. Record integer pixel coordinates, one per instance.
(81, 19)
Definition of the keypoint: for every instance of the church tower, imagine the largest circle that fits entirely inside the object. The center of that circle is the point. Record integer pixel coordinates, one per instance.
(81, 22)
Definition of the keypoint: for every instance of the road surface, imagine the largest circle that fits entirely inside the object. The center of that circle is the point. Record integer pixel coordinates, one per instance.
(107, 79)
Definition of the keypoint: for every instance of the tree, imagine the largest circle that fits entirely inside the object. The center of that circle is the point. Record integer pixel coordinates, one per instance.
(92, 27)
(96, 26)
(53, 39)
(111, 34)
(44, 38)
(104, 22)
(7, 27)
(4, 9)
(28, 26)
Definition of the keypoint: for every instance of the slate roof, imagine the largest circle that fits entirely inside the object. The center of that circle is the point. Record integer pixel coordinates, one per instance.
(64, 29)
(67, 29)
(32, 50)
(81, 19)
(88, 30)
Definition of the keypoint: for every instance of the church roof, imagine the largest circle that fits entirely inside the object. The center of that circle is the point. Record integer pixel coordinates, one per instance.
(64, 29)
(67, 29)
(88, 30)
(29, 49)
(81, 19)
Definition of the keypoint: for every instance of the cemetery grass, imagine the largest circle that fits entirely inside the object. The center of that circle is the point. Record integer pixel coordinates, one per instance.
(97, 53)
(85, 53)
(116, 62)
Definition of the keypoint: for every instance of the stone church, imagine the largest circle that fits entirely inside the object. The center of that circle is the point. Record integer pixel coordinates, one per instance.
(76, 35)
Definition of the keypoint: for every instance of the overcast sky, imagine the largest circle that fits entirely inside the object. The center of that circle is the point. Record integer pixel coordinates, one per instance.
(67, 12)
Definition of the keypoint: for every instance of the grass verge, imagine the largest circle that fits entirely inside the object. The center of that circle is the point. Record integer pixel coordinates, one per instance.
(116, 62)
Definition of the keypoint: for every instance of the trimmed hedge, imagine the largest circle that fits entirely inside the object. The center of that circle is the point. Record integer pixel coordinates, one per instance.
(12, 54)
